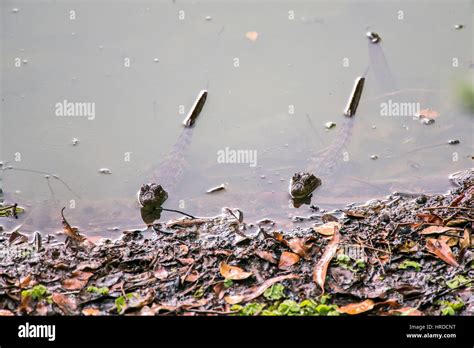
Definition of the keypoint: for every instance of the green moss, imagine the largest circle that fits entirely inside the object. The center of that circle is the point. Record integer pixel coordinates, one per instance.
(408, 263)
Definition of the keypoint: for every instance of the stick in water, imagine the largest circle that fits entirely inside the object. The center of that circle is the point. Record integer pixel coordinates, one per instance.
(353, 102)
(196, 109)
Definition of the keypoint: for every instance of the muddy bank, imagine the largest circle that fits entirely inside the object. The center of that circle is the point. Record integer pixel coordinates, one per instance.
(405, 255)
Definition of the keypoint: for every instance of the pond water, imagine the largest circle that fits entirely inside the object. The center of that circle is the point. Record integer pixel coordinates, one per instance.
(275, 71)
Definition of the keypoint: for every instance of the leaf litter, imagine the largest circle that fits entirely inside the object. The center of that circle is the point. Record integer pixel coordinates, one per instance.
(396, 256)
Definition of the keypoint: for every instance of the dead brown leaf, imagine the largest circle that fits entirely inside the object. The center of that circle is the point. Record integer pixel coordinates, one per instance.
(71, 232)
(186, 261)
(256, 291)
(6, 313)
(466, 241)
(267, 256)
(233, 272)
(91, 311)
(442, 250)
(428, 113)
(450, 241)
(320, 270)
(287, 259)
(251, 35)
(430, 218)
(298, 246)
(435, 230)
(192, 277)
(407, 311)
(64, 302)
(160, 273)
(79, 280)
(328, 228)
(357, 308)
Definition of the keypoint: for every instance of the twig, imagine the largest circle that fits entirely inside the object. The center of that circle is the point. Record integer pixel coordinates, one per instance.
(210, 311)
(366, 246)
(445, 207)
(177, 211)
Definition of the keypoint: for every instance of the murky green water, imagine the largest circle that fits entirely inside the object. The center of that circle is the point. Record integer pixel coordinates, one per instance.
(142, 64)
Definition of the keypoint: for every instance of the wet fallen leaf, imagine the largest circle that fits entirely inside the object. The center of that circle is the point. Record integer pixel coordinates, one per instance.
(319, 271)
(442, 250)
(78, 281)
(357, 308)
(6, 313)
(251, 35)
(428, 113)
(41, 309)
(258, 290)
(297, 245)
(64, 302)
(328, 228)
(450, 241)
(267, 256)
(430, 218)
(160, 273)
(219, 290)
(466, 241)
(17, 238)
(71, 232)
(435, 230)
(89, 265)
(186, 261)
(406, 311)
(139, 300)
(355, 215)
(287, 260)
(25, 281)
(192, 277)
(91, 311)
(233, 272)
(391, 302)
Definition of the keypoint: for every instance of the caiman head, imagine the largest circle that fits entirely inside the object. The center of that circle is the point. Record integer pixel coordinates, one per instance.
(302, 184)
(151, 197)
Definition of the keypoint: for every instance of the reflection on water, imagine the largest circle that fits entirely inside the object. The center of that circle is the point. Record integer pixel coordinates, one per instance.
(109, 86)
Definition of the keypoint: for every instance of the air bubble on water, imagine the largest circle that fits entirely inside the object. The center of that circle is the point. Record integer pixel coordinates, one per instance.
(101, 47)
(47, 176)
(373, 127)
(73, 33)
(286, 145)
(75, 141)
(374, 157)
(105, 171)
(25, 61)
(156, 60)
(270, 182)
(262, 176)
(15, 10)
(208, 18)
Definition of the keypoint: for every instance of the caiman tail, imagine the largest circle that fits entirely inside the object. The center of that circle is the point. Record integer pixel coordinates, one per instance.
(152, 195)
(324, 162)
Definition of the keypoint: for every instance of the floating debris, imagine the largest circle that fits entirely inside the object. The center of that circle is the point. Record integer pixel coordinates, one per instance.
(221, 187)
(427, 121)
(329, 125)
(252, 36)
(453, 142)
(353, 102)
(208, 18)
(156, 60)
(458, 26)
(373, 37)
(195, 109)
(374, 157)
(15, 10)
(75, 141)
(105, 171)
(25, 61)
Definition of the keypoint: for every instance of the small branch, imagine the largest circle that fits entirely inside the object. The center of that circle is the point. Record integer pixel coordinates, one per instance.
(444, 207)
(177, 211)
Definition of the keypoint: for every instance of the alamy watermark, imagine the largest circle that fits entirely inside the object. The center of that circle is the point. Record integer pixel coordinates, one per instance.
(228, 155)
(391, 108)
(83, 109)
